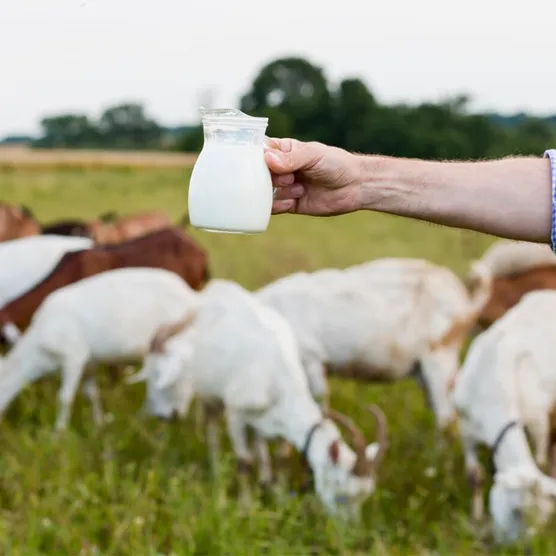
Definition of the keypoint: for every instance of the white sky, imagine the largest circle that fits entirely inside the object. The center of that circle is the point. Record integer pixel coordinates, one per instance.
(82, 55)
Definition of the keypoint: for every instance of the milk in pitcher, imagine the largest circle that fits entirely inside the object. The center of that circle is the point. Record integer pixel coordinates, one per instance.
(231, 188)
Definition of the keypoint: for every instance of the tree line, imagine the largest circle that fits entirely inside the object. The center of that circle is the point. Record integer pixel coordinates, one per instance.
(299, 102)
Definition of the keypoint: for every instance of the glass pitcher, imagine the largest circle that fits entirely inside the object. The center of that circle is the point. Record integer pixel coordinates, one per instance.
(230, 189)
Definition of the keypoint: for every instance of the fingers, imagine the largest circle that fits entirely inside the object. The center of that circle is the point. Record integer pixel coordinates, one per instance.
(285, 156)
(282, 180)
(294, 191)
(275, 163)
(279, 207)
(284, 145)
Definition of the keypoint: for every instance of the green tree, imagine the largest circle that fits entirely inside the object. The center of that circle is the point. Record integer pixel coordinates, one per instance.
(295, 93)
(127, 126)
(355, 109)
(67, 131)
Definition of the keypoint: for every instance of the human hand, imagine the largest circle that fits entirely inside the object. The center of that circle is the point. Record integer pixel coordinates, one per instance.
(312, 178)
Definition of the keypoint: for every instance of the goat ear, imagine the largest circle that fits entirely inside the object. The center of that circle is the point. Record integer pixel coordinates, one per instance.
(169, 376)
(334, 452)
(175, 366)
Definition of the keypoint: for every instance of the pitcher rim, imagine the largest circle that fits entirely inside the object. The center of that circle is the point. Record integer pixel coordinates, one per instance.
(243, 121)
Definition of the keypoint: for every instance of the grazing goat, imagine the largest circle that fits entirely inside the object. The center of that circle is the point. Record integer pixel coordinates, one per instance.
(233, 350)
(507, 382)
(17, 222)
(113, 229)
(169, 248)
(26, 261)
(108, 318)
(517, 267)
(381, 321)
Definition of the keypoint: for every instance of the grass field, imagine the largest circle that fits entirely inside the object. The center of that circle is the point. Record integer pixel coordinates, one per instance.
(142, 488)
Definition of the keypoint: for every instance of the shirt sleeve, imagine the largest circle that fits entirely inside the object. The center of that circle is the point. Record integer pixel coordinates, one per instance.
(551, 154)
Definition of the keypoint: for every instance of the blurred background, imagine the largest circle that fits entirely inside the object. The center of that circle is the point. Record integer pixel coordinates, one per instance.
(430, 79)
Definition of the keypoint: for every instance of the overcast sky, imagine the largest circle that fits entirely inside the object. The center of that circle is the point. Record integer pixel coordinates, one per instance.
(82, 55)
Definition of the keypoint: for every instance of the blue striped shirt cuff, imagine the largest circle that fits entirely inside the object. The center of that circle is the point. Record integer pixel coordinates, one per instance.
(551, 153)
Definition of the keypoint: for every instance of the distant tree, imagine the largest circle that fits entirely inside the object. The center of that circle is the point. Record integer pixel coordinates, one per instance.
(191, 141)
(296, 93)
(67, 131)
(355, 108)
(127, 126)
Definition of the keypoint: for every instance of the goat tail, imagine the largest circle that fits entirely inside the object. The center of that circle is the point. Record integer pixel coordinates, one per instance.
(479, 285)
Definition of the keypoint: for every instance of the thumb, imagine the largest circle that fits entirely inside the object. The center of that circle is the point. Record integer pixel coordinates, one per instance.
(281, 162)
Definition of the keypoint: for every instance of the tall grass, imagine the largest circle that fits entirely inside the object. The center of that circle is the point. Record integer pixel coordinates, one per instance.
(142, 488)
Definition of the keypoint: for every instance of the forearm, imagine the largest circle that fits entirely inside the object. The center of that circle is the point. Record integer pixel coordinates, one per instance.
(509, 198)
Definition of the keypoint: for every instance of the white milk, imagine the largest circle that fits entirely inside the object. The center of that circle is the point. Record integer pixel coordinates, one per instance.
(230, 189)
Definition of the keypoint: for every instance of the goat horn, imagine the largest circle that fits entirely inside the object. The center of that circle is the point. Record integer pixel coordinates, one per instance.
(382, 433)
(361, 466)
(165, 332)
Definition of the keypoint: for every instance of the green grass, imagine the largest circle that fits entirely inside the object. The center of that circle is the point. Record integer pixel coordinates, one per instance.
(141, 488)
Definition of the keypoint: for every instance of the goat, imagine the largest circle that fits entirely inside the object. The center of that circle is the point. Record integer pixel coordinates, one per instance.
(508, 382)
(169, 248)
(25, 262)
(17, 222)
(232, 349)
(381, 321)
(108, 318)
(111, 228)
(517, 267)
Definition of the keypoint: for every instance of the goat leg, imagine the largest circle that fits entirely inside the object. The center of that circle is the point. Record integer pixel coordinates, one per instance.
(213, 441)
(71, 376)
(476, 482)
(263, 457)
(283, 459)
(199, 418)
(237, 432)
(90, 389)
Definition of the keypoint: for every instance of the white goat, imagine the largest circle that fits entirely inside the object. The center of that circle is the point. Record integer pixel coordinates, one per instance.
(235, 351)
(26, 261)
(508, 381)
(381, 321)
(110, 317)
(505, 257)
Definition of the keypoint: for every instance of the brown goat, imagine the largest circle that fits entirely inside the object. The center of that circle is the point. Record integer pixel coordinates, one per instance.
(506, 291)
(516, 268)
(16, 222)
(130, 226)
(169, 248)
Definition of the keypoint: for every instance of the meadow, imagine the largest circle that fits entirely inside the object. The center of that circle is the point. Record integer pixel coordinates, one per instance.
(143, 488)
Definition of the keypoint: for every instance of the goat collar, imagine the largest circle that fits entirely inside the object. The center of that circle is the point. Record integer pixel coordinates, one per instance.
(498, 441)
(307, 444)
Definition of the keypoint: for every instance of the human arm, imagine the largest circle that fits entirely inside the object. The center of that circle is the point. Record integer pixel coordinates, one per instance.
(509, 198)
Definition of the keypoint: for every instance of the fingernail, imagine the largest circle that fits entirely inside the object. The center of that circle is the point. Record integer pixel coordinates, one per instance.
(274, 192)
(275, 158)
(297, 190)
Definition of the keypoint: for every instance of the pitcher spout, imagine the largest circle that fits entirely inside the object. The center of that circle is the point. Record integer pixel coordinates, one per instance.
(231, 116)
